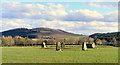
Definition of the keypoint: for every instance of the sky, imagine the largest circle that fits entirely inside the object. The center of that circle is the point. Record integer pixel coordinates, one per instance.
(76, 17)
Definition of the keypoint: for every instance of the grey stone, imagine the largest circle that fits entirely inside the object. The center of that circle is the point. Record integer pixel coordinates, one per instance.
(84, 46)
(58, 46)
(43, 45)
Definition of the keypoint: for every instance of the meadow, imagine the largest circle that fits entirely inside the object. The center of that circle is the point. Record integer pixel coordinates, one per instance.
(71, 54)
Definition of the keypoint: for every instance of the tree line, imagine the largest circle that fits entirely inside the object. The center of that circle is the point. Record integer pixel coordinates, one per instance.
(24, 41)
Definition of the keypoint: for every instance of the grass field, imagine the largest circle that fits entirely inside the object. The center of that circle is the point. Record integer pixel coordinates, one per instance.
(72, 54)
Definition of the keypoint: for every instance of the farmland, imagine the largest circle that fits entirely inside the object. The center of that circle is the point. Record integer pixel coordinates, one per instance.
(71, 54)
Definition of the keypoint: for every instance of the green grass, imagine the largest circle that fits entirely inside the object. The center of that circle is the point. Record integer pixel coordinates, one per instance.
(73, 54)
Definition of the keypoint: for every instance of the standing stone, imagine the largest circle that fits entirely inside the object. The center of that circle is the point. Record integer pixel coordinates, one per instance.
(58, 46)
(62, 45)
(93, 45)
(84, 47)
(43, 45)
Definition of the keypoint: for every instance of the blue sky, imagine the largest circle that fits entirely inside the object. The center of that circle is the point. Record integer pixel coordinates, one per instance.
(63, 0)
(79, 5)
(77, 17)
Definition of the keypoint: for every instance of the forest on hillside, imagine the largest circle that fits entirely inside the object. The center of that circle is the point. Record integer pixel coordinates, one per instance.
(106, 36)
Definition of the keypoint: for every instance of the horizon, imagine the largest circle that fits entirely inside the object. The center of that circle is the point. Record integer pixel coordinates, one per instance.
(77, 17)
(56, 29)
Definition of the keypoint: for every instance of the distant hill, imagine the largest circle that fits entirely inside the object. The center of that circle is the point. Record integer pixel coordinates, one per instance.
(37, 32)
(106, 35)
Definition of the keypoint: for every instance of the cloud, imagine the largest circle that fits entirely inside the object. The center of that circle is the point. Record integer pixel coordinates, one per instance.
(105, 5)
(83, 15)
(79, 27)
(105, 28)
(33, 11)
(111, 16)
(15, 10)
(18, 23)
(104, 0)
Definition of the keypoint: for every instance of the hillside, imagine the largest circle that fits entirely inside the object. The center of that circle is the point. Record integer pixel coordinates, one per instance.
(37, 32)
(103, 35)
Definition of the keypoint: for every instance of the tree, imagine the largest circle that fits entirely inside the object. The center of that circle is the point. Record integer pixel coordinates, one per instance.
(103, 41)
(114, 41)
(3, 39)
(91, 40)
(98, 41)
(7, 41)
(19, 40)
(10, 41)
